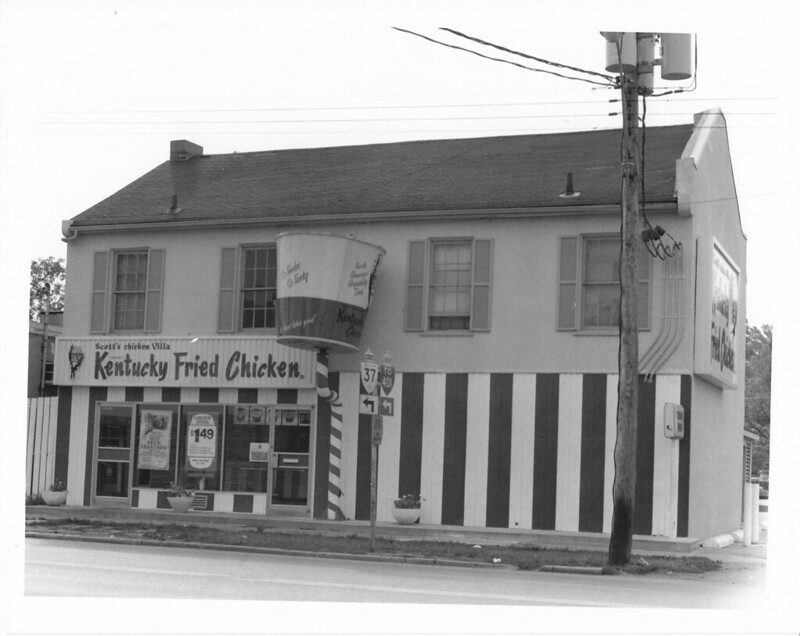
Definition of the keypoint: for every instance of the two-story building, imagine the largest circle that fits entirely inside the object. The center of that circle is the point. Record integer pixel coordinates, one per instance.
(497, 298)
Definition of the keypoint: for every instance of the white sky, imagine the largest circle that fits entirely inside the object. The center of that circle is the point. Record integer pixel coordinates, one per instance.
(98, 89)
(93, 92)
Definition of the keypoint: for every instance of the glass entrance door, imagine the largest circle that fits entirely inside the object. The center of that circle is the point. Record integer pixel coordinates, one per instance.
(112, 469)
(290, 457)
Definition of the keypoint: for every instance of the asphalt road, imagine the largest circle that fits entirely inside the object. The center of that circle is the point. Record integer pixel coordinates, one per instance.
(83, 569)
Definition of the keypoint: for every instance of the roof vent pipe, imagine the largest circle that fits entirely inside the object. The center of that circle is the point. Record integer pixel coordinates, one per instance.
(570, 190)
(173, 208)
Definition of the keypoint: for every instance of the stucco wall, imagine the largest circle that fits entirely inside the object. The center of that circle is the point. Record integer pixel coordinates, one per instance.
(523, 335)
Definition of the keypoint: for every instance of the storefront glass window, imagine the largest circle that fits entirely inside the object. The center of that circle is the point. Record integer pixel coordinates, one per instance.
(200, 447)
(156, 445)
(247, 448)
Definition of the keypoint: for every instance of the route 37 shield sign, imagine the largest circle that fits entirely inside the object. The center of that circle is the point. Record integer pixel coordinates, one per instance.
(369, 376)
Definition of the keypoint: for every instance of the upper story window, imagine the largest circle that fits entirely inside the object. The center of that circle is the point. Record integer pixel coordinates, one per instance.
(589, 289)
(449, 284)
(127, 291)
(259, 281)
(248, 288)
(130, 288)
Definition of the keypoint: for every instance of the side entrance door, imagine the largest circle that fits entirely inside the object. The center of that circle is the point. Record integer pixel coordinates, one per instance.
(111, 474)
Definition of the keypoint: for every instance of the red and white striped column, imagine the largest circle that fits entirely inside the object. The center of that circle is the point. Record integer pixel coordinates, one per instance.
(335, 457)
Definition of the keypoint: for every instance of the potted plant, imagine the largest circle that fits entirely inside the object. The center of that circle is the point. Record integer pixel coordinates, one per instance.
(56, 495)
(179, 498)
(406, 509)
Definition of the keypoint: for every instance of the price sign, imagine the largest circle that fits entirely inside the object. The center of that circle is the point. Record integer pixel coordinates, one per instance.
(369, 376)
(201, 441)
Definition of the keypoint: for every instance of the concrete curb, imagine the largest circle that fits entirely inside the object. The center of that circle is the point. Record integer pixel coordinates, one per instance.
(260, 550)
(571, 569)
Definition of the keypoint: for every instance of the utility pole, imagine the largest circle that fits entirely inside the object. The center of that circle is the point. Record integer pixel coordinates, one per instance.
(624, 489)
(43, 376)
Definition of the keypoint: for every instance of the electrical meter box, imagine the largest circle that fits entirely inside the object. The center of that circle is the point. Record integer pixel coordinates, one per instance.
(673, 420)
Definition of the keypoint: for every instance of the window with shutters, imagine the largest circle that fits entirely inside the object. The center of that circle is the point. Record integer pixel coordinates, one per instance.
(589, 292)
(248, 288)
(449, 284)
(127, 291)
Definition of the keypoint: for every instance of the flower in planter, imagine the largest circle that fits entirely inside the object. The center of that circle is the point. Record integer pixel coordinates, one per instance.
(176, 490)
(58, 486)
(408, 501)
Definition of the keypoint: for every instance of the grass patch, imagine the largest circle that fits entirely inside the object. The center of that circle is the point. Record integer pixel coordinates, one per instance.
(522, 556)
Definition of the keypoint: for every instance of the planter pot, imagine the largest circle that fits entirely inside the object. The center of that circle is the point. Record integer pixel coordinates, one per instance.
(406, 516)
(54, 497)
(180, 504)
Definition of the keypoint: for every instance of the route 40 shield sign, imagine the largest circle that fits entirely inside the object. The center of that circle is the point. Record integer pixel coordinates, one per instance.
(387, 378)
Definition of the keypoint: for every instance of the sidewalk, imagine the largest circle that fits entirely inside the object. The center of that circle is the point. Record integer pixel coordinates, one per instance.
(642, 545)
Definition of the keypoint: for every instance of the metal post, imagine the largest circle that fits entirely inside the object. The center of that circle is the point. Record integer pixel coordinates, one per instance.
(335, 455)
(373, 487)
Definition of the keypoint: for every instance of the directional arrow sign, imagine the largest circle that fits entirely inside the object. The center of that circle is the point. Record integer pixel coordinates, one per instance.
(387, 406)
(368, 404)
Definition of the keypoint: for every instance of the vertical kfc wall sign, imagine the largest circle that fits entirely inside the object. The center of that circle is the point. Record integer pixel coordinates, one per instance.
(718, 317)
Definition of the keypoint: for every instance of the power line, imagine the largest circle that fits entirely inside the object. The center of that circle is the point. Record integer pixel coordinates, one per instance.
(497, 59)
(610, 79)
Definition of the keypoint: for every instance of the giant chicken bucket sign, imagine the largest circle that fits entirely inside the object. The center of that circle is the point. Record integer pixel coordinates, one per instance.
(324, 290)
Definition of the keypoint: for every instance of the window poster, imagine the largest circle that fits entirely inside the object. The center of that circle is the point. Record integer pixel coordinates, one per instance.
(259, 451)
(155, 430)
(201, 442)
(241, 414)
(258, 415)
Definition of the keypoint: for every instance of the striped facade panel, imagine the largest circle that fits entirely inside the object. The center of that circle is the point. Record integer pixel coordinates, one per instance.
(364, 469)
(431, 478)
(545, 452)
(593, 453)
(569, 451)
(683, 457)
(477, 443)
(523, 410)
(454, 458)
(645, 453)
(413, 397)
(61, 470)
(499, 461)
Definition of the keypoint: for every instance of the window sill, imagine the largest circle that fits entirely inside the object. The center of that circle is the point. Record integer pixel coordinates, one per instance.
(609, 333)
(455, 333)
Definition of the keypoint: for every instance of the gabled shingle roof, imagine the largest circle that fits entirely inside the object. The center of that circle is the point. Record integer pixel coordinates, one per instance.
(491, 173)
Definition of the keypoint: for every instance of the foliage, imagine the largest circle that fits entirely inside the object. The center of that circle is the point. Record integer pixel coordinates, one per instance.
(758, 381)
(48, 277)
(58, 486)
(176, 490)
(408, 501)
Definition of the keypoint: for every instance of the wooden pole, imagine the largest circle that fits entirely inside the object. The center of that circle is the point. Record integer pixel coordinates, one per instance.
(624, 489)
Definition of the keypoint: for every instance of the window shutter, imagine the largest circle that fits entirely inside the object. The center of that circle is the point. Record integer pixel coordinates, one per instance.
(99, 292)
(227, 291)
(154, 294)
(415, 292)
(568, 282)
(481, 285)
